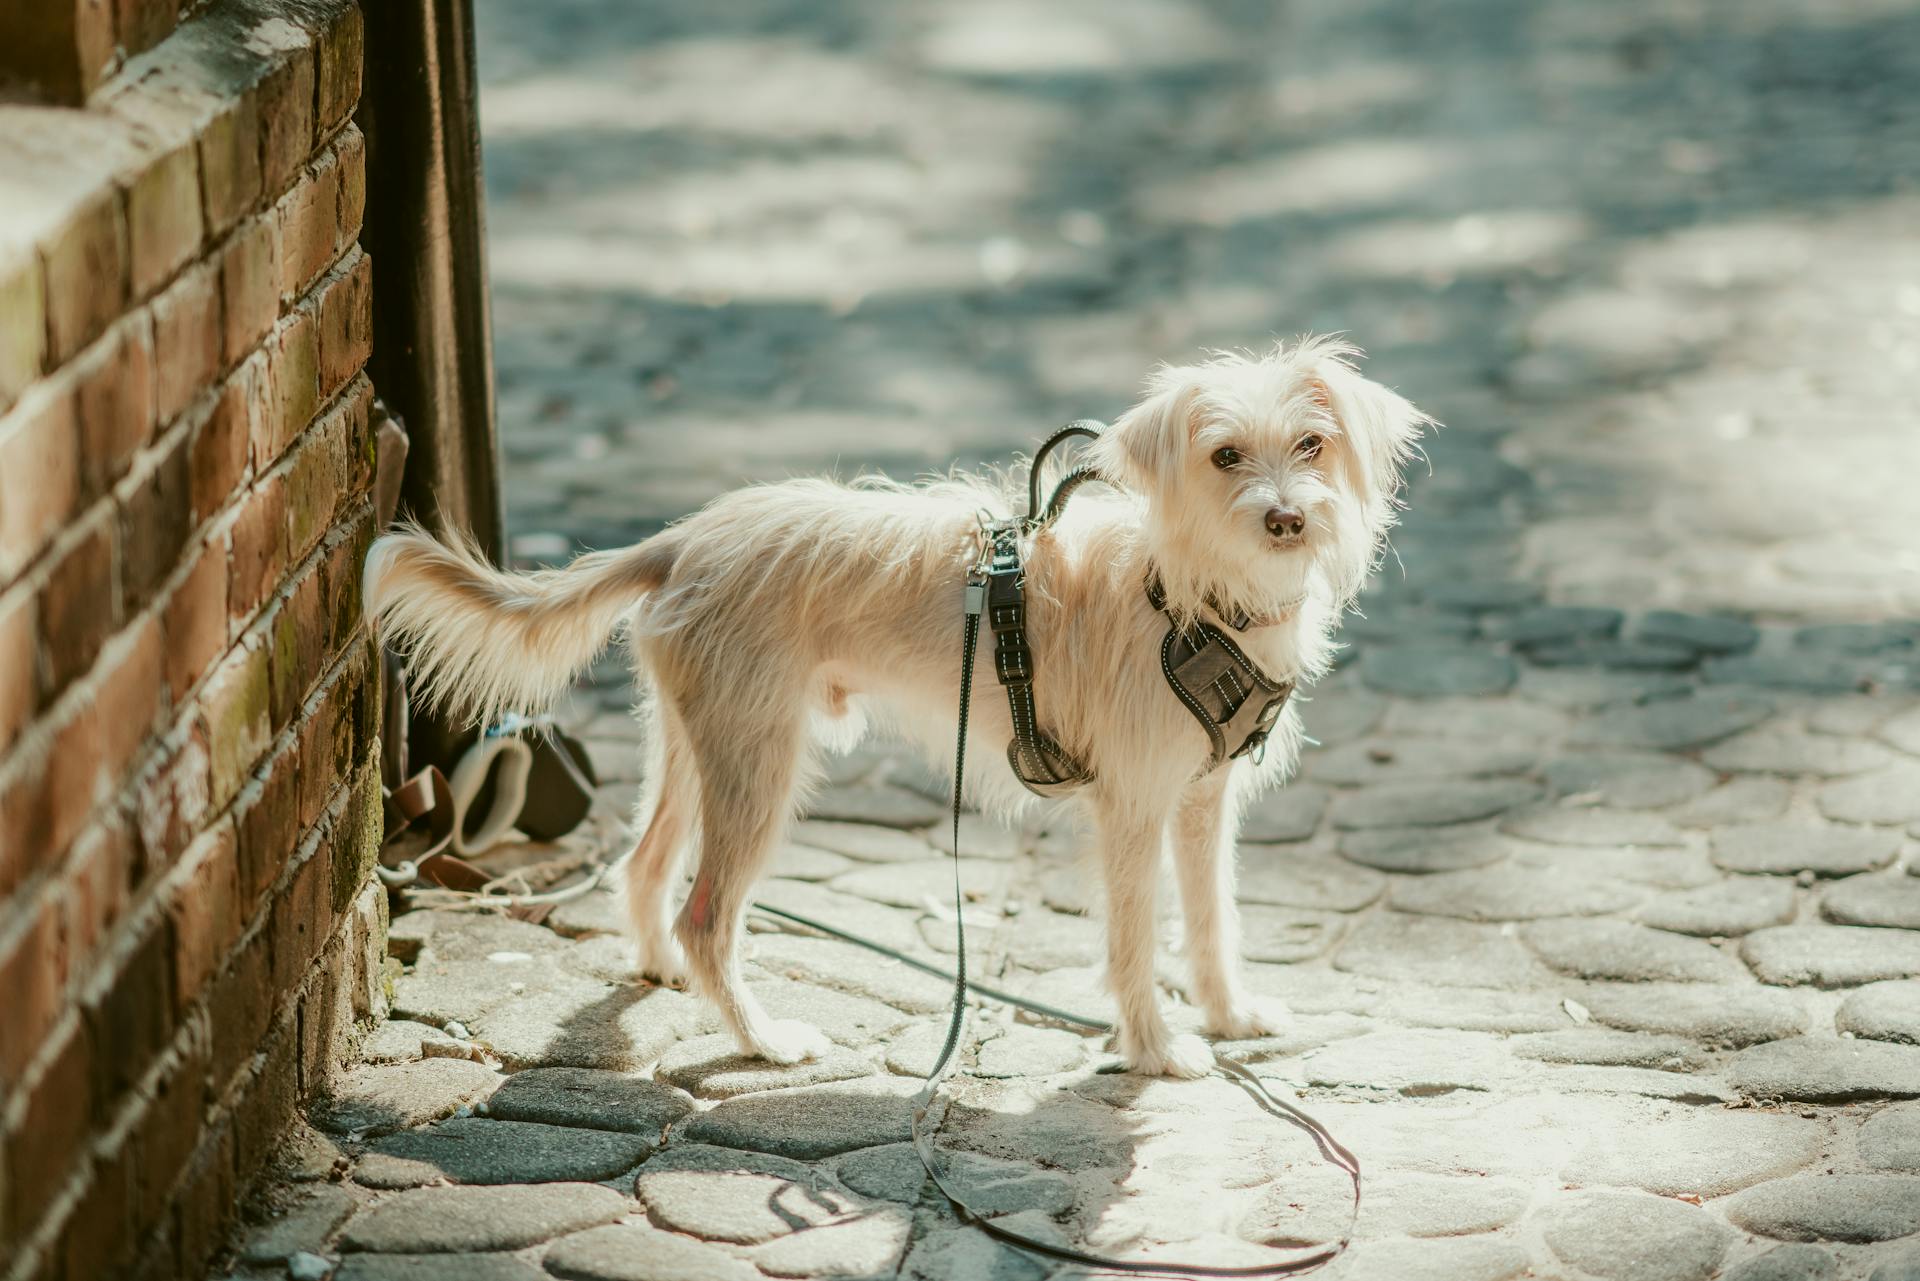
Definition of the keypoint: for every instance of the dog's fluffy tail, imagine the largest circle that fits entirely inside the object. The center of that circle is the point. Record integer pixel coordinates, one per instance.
(481, 641)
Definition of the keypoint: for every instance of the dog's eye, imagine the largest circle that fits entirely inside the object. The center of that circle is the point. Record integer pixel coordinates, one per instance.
(1308, 446)
(1226, 458)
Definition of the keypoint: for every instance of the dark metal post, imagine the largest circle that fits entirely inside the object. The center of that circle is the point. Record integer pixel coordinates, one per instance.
(426, 230)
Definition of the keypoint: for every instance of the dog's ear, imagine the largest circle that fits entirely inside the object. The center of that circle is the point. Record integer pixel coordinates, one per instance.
(1378, 426)
(1147, 444)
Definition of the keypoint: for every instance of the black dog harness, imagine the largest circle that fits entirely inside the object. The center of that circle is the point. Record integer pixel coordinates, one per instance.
(1235, 702)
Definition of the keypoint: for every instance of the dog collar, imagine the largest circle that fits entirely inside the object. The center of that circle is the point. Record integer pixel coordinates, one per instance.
(1239, 620)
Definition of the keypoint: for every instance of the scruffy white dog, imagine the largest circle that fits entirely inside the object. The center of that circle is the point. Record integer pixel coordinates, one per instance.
(779, 617)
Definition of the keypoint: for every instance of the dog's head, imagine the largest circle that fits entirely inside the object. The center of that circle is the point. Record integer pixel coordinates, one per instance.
(1265, 479)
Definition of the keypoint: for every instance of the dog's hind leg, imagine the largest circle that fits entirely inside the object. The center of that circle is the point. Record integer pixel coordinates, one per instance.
(1205, 832)
(656, 857)
(747, 770)
(1132, 843)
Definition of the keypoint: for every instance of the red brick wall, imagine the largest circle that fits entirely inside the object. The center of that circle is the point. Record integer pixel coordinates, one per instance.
(189, 805)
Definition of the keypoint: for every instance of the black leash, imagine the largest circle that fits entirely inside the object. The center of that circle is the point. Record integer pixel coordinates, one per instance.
(1330, 1148)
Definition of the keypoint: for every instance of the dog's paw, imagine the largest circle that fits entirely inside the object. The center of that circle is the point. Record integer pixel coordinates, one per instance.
(1185, 1057)
(662, 963)
(786, 1041)
(1250, 1017)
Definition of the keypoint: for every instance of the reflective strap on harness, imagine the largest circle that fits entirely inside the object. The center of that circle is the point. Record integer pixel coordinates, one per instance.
(1041, 765)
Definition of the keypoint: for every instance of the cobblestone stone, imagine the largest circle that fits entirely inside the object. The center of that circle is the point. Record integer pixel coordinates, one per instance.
(1418, 1064)
(638, 1252)
(1673, 724)
(590, 1025)
(1627, 1235)
(1627, 953)
(846, 968)
(883, 806)
(863, 842)
(945, 1253)
(916, 885)
(1740, 800)
(1698, 1152)
(736, 1206)
(1423, 849)
(589, 1099)
(1401, 761)
(1726, 1017)
(1787, 1263)
(1627, 780)
(1831, 956)
(868, 1246)
(890, 1172)
(1288, 878)
(1606, 1047)
(1891, 902)
(1510, 894)
(1903, 731)
(1704, 632)
(476, 1219)
(1901, 1265)
(1890, 1138)
(1428, 1205)
(1437, 951)
(436, 1267)
(485, 1151)
(1545, 624)
(1789, 847)
(1724, 909)
(1340, 715)
(1031, 1051)
(1291, 813)
(1438, 671)
(1429, 804)
(1590, 825)
(1457, 1259)
(304, 1224)
(375, 1099)
(1886, 796)
(399, 1041)
(811, 1122)
(712, 1067)
(1832, 1207)
(805, 863)
(1882, 1012)
(1822, 1070)
(1775, 751)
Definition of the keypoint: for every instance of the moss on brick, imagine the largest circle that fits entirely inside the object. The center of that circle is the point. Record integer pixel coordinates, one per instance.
(356, 837)
(239, 711)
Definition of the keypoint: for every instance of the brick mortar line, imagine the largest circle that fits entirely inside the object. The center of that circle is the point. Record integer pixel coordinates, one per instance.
(102, 1143)
(151, 146)
(219, 523)
(125, 939)
(21, 908)
(303, 308)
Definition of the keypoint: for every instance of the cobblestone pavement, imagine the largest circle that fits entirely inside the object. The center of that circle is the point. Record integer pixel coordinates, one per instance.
(1599, 901)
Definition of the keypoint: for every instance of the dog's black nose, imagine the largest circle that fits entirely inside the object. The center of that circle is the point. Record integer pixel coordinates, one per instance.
(1285, 522)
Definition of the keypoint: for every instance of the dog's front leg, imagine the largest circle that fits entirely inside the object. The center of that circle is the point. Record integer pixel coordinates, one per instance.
(1206, 831)
(1131, 843)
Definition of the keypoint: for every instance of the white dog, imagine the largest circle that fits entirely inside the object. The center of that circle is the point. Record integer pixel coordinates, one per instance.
(777, 617)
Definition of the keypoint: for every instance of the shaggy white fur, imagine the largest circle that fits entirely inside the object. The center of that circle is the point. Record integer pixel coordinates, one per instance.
(779, 618)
